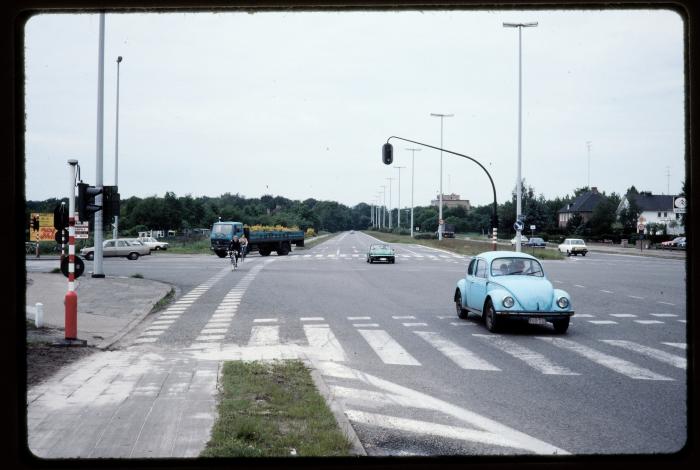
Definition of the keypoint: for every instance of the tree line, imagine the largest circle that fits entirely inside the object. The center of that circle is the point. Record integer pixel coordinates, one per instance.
(184, 213)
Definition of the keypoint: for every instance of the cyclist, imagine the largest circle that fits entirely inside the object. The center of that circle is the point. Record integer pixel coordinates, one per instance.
(235, 247)
(244, 246)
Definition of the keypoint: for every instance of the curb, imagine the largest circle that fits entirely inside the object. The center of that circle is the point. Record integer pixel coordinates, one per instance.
(336, 409)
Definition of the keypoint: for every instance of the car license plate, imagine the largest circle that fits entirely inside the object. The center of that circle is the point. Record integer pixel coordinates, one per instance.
(536, 321)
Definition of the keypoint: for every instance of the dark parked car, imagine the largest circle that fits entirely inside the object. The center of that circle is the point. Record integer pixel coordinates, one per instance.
(536, 242)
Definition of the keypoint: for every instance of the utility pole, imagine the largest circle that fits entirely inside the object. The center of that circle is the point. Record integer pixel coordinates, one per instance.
(390, 207)
(440, 225)
(97, 266)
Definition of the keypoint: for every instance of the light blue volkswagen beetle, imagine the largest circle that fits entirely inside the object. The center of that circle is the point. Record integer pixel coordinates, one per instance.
(511, 285)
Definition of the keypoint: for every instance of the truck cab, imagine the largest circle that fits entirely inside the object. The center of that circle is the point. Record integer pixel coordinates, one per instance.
(221, 235)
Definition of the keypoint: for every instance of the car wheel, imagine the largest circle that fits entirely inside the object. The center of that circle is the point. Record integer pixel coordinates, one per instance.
(133, 256)
(490, 317)
(583, 254)
(568, 253)
(157, 248)
(560, 326)
(461, 312)
(90, 256)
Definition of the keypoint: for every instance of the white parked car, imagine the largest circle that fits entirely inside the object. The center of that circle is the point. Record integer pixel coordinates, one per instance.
(154, 244)
(573, 246)
(523, 240)
(118, 247)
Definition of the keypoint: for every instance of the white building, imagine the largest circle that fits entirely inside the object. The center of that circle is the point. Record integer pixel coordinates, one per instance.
(655, 209)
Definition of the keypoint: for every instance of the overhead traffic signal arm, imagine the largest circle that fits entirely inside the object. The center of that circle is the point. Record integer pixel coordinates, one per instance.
(86, 200)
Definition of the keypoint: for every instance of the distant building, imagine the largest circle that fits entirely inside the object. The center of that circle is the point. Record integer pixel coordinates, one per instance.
(583, 204)
(655, 209)
(451, 200)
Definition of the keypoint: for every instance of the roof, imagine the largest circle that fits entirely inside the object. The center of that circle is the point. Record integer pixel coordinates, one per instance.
(585, 202)
(491, 255)
(649, 202)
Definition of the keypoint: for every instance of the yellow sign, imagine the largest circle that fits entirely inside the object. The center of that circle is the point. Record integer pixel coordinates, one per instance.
(46, 231)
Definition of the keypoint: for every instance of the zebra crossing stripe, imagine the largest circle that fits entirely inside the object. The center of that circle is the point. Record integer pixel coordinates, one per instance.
(265, 336)
(323, 342)
(659, 355)
(616, 364)
(532, 358)
(457, 354)
(388, 350)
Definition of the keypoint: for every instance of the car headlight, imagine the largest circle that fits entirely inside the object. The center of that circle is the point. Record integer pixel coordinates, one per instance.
(563, 302)
(508, 302)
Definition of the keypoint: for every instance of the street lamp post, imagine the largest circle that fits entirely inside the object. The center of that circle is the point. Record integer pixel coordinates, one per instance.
(494, 217)
(390, 207)
(398, 222)
(383, 219)
(413, 167)
(115, 233)
(518, 196)
(441, 116)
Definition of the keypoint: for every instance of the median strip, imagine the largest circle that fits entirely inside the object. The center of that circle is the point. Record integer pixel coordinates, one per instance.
(273, 410)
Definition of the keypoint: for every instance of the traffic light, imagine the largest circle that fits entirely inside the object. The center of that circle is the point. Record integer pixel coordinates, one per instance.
(86, 200)
(387, 153)
(35, 223)
(110, 204)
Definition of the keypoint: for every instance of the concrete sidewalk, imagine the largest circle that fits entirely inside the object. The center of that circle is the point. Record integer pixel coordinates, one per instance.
(108, 308)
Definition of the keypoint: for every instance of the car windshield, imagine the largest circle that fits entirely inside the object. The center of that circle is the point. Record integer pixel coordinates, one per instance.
(516, 266)
(577, 242)
(223, 229)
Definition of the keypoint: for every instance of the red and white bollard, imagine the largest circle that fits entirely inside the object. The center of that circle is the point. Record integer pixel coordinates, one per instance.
(495, 239)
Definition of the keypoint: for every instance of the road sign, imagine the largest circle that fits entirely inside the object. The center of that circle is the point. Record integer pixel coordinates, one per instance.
(81, 230)
(532, 227)
(518, 226)
(679, 205)
(78, 268)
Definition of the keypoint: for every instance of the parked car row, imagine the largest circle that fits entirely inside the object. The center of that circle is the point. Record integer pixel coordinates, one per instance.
(131, 248)
(678, 242)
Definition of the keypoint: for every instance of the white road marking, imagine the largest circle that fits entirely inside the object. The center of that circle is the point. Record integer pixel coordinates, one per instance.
(623, 315)
(323, 342)
(677, 345)
(416, 399)
(457, 354)
(659, 355)
(462, 323)
(616, 364)
(584, 315)
(365, 325)
(663, 315)
(532, 358)
(578, 285)
(649, 322)
(602, 322)
(682, 321)
(666, 303)
(359, 318)
(388, 350)
(410, 325)
(635, 297)
(607, 291)
(403, 317)
(311, 318)
(265, 320)
(264, 336)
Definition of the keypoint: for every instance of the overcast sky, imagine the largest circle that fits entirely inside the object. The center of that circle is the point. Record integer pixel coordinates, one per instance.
(299, 104)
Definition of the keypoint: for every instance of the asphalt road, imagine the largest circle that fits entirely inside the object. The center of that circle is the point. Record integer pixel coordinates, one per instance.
(414, 379)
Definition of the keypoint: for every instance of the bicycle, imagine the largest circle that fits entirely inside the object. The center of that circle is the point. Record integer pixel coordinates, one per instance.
(233, 255)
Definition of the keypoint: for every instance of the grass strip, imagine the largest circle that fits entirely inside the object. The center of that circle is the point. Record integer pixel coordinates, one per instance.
(460, 246)
(272, 409)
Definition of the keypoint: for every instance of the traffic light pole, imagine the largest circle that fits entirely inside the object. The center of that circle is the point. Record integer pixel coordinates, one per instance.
(97, 266)
(71, 298)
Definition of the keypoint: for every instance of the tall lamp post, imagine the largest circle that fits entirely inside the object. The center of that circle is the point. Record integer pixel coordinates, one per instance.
(390, 207)
(398, 222)
(383, 218)
(442, 117)
(115, 232)
(413, 167)
(519, 183)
